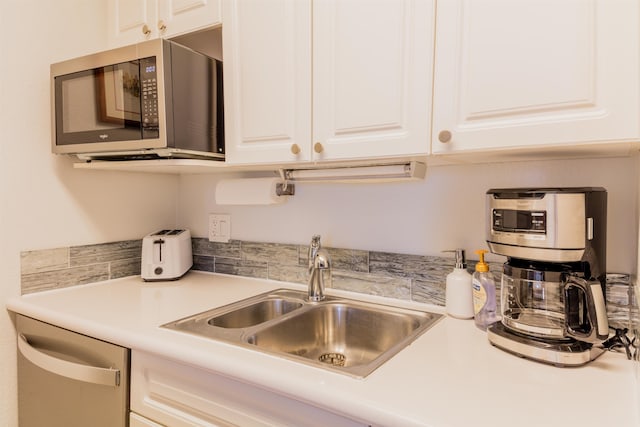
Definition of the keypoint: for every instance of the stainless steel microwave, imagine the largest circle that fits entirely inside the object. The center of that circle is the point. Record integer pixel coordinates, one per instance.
(154, 99)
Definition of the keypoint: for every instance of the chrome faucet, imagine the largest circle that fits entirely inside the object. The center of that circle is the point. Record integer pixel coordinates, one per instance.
(319, 270)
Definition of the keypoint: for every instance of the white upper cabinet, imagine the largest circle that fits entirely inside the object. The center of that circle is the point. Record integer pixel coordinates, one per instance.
(372, 74)
(327, 79)
(267, 80)
(132, 21)
(535, 73)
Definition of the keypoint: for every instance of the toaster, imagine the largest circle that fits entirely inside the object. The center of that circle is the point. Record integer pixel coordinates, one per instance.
(166, 255)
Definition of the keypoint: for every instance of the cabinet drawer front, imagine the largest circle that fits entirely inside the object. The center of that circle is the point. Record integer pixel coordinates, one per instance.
(178, 395)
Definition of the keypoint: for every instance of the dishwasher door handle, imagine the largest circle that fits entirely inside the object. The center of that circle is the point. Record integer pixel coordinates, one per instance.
(76, 371)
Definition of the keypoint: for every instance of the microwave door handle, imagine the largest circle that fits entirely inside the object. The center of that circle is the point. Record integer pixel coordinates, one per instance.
(76, 371)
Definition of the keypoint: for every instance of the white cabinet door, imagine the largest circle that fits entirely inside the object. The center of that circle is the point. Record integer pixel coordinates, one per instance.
(267, 68)
(527, 73)
(184, 16)
(372, 74)
(132, 21)
(371, 79)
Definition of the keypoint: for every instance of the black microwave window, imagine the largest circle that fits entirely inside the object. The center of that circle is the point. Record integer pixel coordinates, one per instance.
(118, 94)
(101, 105)
(520, 221)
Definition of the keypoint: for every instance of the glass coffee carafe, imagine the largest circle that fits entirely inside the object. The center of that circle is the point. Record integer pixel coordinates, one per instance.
(551, 301)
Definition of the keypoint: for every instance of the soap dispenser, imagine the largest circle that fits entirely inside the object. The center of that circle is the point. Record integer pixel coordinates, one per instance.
(484, 294)
(458, 292)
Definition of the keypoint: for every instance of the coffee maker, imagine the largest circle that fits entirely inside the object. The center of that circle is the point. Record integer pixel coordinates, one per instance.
(553, 291)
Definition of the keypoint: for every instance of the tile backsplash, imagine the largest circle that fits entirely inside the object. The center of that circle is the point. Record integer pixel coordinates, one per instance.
(400, 276)
(77, 265)
(405, 277)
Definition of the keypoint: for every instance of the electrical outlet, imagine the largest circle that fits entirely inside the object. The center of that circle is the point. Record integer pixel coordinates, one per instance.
(219, 228)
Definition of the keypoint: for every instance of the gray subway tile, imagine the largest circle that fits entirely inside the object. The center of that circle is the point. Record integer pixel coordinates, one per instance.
(92, 254)
(241, 267)
(391, 287)
(288, 273)
(124, 268)
(349, 260)
(618, 294)
(203, 263)
(270, 252)
(618, 316)
(64, 278)
(44, 260)
(428, 292)
(204, 247)
(409, 266)
(634, 315)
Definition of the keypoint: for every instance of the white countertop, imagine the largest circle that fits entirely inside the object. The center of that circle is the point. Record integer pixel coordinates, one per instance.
(450, 376)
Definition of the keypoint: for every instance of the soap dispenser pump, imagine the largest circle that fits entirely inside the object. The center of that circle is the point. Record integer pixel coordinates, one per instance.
(458, 292)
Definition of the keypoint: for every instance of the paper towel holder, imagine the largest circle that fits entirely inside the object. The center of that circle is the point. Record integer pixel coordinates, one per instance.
(406, 171)
(253, 191)
(285, 188)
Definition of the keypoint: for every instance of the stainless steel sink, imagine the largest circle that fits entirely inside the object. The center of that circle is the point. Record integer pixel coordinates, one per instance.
(256, 313)
(339, 334)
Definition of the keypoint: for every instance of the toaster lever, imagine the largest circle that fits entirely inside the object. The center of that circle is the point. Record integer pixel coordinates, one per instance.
(159, 242)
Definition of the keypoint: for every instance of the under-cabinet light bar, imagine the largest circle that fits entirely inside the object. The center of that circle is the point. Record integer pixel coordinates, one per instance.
(377, 173)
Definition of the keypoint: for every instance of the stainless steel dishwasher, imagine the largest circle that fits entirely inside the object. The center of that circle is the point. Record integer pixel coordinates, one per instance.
(66, 379)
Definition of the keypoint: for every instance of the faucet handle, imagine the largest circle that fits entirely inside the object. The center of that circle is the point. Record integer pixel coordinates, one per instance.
(314, 247)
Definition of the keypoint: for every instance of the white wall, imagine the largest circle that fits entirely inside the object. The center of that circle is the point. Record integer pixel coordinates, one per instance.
(444, 211)
(44, 203)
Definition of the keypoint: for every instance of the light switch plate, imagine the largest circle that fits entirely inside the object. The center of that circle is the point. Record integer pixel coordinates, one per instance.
(219, 228)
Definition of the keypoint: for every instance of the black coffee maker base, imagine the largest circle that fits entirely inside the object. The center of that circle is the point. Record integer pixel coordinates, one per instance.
(558, 353)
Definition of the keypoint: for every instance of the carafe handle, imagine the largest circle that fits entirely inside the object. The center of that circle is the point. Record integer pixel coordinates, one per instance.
(596, 310)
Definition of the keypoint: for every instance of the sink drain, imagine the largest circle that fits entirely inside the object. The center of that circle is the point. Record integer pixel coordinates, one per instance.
(335, 359)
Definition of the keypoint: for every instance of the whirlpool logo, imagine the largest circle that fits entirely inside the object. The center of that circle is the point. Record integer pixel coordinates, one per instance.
(103, 136)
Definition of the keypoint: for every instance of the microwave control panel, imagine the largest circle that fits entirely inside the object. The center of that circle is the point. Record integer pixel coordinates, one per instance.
(149, 93)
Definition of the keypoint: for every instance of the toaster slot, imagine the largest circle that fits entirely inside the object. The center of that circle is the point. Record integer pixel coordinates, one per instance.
(168, 233)
(157, 250)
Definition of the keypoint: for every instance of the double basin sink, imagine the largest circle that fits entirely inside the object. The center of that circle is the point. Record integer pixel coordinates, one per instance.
(347, 336)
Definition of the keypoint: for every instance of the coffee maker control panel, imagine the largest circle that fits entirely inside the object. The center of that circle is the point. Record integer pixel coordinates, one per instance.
(547, 224)
(511, 220)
